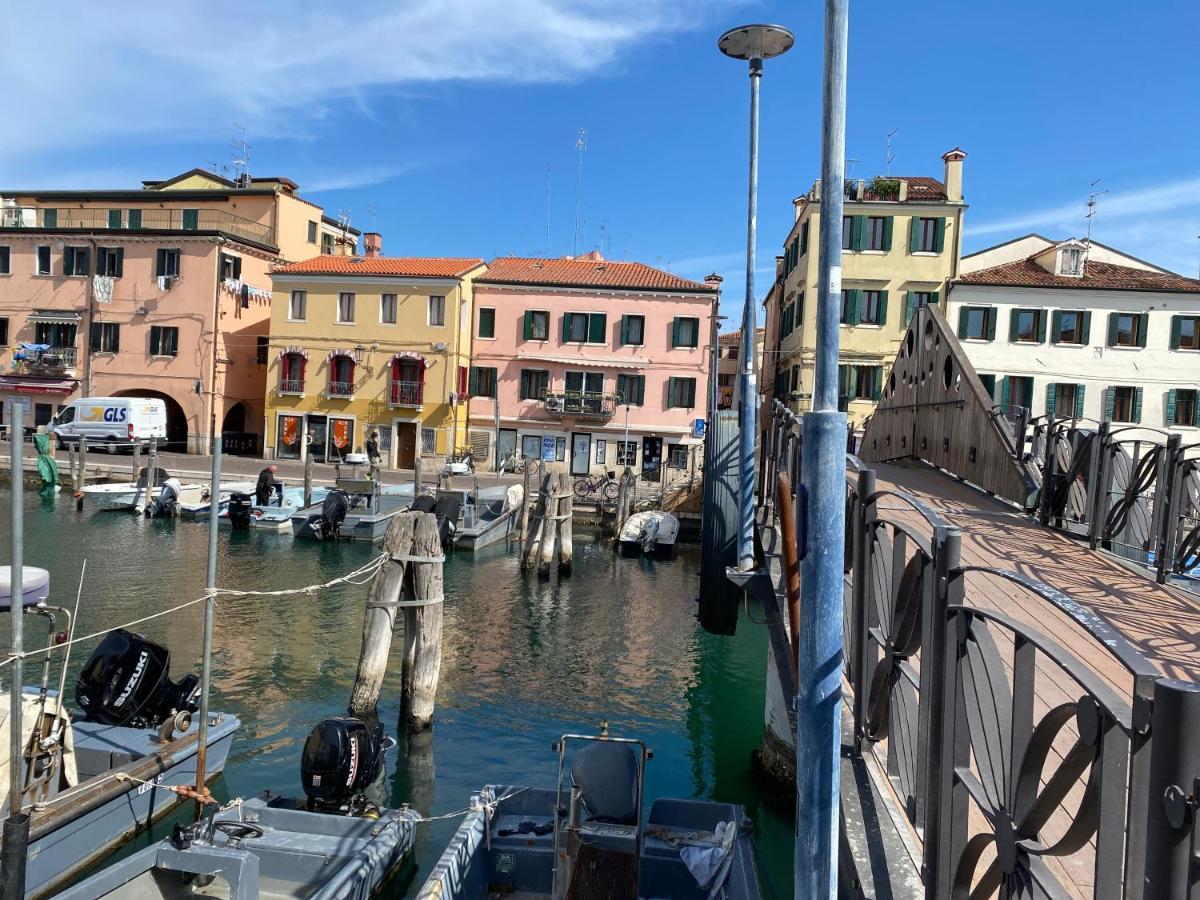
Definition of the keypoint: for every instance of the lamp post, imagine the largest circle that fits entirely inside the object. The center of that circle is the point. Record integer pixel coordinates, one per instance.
(753, 43)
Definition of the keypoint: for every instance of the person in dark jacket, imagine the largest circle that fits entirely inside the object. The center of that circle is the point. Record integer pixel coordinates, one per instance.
(267, 485)
(373, 457)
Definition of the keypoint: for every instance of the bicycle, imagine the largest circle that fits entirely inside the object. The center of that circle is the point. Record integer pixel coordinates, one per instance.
(605, 484)
(515, 463)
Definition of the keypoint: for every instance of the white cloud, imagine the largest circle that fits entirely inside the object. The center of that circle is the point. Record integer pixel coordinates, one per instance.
(344, 179)
(164, 72)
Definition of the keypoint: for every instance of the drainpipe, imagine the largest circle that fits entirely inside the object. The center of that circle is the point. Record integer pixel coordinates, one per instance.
(212, 383)
(91, 317)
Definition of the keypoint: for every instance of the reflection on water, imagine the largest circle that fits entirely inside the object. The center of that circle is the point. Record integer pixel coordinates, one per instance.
(524, 660)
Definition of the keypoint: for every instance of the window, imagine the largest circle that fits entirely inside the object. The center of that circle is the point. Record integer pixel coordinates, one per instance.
(75, 261)
(312, 232)
(601, 451)
(345, 308)
(298, 306)
(560, 449)
(677, 456)
(262, 346)
(5, 261)
(105, 337)
(43, 260)
(534, 383)
(627, 453)
(859, 382)
(633, 330)
(487, 322)
(191, 219)
(1185, 331)
(291, 373)
(878, 233)
(731, 351)
(926, 235)
(387, 309)
(483, 381)
(1127, 329)
(1064, 400)
(1027, 326)
(437, 309)
(114, 218)
(685, 332)
(428, 440)
(632, 389)
(135, 218)
(726, 379)
(914, 300)
(166, 263)
(49, 218)
(537, 325)
(55, 334)
(1071, 262)
(977, 323)
(1182, 408)
(1016, 392)
(681, 393)
(341, 376)
(1070, 326)
(584, 328)
(164, 340)
(327, 243)
(847, 231)
(231, 266)
(1123, 404)
(110, 261)
(872, 309)
(4, 330)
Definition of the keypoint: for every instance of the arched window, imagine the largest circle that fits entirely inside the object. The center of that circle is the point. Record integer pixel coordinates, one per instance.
(291, 376)
(408, 380)
(341, 375)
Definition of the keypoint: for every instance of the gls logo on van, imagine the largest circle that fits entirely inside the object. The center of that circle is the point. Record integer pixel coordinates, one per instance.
(106, 414)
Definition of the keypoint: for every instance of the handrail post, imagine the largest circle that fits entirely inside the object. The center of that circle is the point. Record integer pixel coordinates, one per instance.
(1103, 494)
(1166, 506)
(1093, 483)
(863, 523)
(1170, 825)
(1048, 467)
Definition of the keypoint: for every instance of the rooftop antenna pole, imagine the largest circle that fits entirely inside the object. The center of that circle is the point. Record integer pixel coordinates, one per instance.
(850, 164)
(888, 155)
(371, 211)
(1091, 214)
(580, 145)
(547, 253)
(241, 154)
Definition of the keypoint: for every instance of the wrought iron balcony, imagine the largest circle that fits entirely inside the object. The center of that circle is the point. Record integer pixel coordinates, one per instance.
(344, 389)
(52, 359)
(291, 386)
(44, 218)
(406, 393)
(581, 404)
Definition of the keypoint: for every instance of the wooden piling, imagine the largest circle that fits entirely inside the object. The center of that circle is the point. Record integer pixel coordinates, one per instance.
(622, 499)
(423, 627)
(152, 475)
(791, 560)
(379, 621)
(308, 479)
(530, 552)
(549, 548)
(526, 489)
(417, 476)
(136, 452)
(566, 509)
(81, 474)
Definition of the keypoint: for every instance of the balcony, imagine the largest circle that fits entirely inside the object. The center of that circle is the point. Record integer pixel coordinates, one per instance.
(341, 389)
(879, 189)
(292, 386)
(51, 361)
(581, 404)
(34, 218)
(407, 393)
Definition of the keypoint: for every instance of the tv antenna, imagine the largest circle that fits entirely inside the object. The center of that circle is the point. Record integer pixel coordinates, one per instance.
(888, 155)
(343, 218)
(371, 211)
(547, 253)
(1091, 211)
(850, 164)
(241, 153)
(580, 145)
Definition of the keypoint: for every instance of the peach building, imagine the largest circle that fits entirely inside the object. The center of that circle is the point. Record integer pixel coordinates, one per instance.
(591, 365)
(160, 291)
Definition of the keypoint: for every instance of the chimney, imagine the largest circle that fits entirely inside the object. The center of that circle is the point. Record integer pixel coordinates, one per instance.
(372, 243)
(593, 255)
(954, 166)
(713, 281)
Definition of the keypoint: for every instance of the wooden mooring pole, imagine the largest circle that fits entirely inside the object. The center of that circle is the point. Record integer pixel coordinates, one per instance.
(566, 511)
(526, 489)
(417, 476)
(308, 479)
(423, 627)
(549, 555)
(530, 552)
(81, 472)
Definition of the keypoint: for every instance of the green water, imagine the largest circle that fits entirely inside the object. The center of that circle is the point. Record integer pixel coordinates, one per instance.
(524, 661)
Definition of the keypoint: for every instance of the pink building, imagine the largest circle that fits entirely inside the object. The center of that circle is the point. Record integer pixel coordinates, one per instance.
(592, 364)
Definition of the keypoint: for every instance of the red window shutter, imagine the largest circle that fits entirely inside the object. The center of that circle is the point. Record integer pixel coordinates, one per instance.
(462, 381)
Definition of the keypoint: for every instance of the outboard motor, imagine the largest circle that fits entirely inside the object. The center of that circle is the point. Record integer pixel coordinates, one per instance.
(447, 509)
(126, 683)
(342, 758)
(240, 509)
(166, 501)
(333, 513)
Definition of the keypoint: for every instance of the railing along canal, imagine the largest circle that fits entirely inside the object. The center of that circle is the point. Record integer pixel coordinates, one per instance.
(1023, 771)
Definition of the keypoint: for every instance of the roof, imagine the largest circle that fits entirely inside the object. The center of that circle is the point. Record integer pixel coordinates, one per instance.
(587, 273)
(336, 223)
(1096, 276)
(401, 266)
(922, 188)
(733, 336)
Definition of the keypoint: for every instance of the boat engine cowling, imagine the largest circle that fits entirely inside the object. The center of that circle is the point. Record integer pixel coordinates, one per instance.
(240, 509)
(126, 683)
(342, 758)
(333, 513)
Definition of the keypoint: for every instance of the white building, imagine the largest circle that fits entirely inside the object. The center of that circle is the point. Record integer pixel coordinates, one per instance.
(1072, 329)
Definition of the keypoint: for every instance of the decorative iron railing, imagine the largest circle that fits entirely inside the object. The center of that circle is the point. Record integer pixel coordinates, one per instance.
(43, 218)
(53, 359)
(584, 404)
(406, 393)
(291, 386)
(341, 389)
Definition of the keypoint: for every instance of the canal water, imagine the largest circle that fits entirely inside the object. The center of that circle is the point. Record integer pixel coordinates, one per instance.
(524, 661)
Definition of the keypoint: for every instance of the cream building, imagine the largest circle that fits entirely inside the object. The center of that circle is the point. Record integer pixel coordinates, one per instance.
(901, 242)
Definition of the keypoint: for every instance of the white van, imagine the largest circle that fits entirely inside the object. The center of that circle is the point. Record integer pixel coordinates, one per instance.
(112, 422)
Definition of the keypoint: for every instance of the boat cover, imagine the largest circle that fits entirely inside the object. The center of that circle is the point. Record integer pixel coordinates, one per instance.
(30, 710)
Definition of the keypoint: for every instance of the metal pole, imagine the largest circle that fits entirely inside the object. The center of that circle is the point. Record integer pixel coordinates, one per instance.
(210, 584)
(16, 750)
(818, 704)
(496, 415)
(1171, 820)
(748, 387)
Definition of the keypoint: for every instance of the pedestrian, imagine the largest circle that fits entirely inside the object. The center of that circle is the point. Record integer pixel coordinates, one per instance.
(268, 485)
(373, 456)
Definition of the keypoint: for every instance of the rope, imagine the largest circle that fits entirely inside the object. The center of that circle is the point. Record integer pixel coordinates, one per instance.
(409, 604)
(404, 557)
(488, 807)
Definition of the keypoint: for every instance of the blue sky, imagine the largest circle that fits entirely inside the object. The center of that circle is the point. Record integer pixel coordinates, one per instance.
(434, 120)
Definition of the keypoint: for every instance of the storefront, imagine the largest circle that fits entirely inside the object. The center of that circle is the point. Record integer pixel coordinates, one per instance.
(326, 438)
(39, 398)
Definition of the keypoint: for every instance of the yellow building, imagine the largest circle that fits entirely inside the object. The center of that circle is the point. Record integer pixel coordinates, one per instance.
(901, 243)
(370, 343)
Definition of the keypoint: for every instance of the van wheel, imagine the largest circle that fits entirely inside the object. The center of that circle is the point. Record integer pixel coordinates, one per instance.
(60, 444)
(112, 445)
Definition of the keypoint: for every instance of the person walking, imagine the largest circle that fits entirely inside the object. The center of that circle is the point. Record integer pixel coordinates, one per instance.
(373, 456)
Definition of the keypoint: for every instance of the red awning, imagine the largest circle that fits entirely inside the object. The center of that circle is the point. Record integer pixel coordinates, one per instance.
(61, 386)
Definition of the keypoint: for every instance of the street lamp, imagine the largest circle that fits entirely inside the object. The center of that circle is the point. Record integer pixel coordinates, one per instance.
(753, 43)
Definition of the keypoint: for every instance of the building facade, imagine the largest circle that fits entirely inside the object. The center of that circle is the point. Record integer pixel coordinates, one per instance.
(1079, 330)
(159, 292)
(371, 343)
(590, 365)
(901, 242)
(729, 364)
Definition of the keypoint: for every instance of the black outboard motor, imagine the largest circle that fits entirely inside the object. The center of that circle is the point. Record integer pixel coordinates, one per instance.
(341, 759)
(165, 503)
(447, 509)
(333, 513)
(240, 506)
(126, 683)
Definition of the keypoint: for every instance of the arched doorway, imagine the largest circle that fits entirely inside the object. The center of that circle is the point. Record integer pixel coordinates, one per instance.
(234, 437)
(235, 418)
(177, 426)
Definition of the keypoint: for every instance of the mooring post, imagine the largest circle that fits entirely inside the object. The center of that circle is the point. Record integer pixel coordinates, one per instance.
(423, 626)
(526, 487)
(566, 509)
(152, 475)
(308, 479)
(550, 525)
(529, 554)
(622, 497)
(379, 620)
(417, 476)
(81, 453)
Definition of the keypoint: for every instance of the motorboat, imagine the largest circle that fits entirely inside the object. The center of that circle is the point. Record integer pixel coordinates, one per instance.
(652, 532)
(242, 511)
(335, 842)
(202, 507)
(591, 838)
(129, 494)
(96, 776)
(489, 515)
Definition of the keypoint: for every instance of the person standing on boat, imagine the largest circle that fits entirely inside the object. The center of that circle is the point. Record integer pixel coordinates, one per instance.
(373, 457)
(268, 485)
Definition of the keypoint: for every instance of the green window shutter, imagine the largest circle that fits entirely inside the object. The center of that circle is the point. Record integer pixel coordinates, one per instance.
(876, 383)
(473, 382)
(843, 381)
(962, 322)
(1113, 319)
(939, 236)
(566, 326)
(908, 307)
(933, 298)
(597, 328)
(114, 218)
(49, 218)
(1014, 316)
(135, 218)
(524, 384)
(624, 330)
(1110, 397)
(191, 219)
(1041, 329)
(1079, 389)
(528, 324)
(639, 382)
(883, 305)
(914, 234)
(1055, 325)
(887, 232)
(991, 324)
(1051, 398)
(1005, 392)
(856, 297)
(675, 332)
(1086, 330)
(1143, 327)
(120, 263)
(1137, 405)
(1176, 329)
(804, 239)
(690, 385)
(858, 232)
(1170, 417)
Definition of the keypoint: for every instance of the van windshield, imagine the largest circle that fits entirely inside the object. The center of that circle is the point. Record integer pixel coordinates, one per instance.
(66, 414)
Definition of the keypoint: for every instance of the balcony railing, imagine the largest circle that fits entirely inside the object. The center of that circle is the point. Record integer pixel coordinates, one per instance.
(584, 404)
(407, 393)
(291, 386)
(134, 219)
(54, 359)
(341, 389)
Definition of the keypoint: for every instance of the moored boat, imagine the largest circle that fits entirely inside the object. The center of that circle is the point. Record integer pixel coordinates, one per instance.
(652, 532)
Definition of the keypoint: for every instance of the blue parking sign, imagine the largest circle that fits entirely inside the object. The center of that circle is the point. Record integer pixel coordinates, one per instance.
(698, 428)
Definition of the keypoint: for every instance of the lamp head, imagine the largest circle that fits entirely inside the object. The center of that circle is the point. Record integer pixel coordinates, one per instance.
(751, 42)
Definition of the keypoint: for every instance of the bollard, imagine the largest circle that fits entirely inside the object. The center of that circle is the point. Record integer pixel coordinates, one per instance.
(533, 540)
(82, 455)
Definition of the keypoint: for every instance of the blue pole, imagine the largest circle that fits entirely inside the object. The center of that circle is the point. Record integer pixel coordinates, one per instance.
(818, 702)
(748, 383)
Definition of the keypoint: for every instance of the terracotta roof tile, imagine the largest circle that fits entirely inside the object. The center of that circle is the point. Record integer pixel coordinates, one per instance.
(922, 188)
(1096, 275)
(412, 267)
(594, 273)
(731, 337)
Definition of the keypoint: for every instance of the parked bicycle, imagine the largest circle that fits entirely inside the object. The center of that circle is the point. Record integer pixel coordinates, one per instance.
(605, 485)
(515, 463)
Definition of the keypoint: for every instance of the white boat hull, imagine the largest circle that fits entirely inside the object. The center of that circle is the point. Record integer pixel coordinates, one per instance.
(650, 532)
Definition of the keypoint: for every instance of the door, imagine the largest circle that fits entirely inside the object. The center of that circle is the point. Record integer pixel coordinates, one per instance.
(341, 439)
(593, 392)
(581, 454)
(651, 457)
(406, 445)
(317, 437)
(572, 392)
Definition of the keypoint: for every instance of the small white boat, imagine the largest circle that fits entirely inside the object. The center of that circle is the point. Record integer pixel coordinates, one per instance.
(200, 507)
(273, 517)
(652, 532)
(127, 494)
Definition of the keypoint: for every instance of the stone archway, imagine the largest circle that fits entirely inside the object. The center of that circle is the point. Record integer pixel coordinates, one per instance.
(177, 426)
